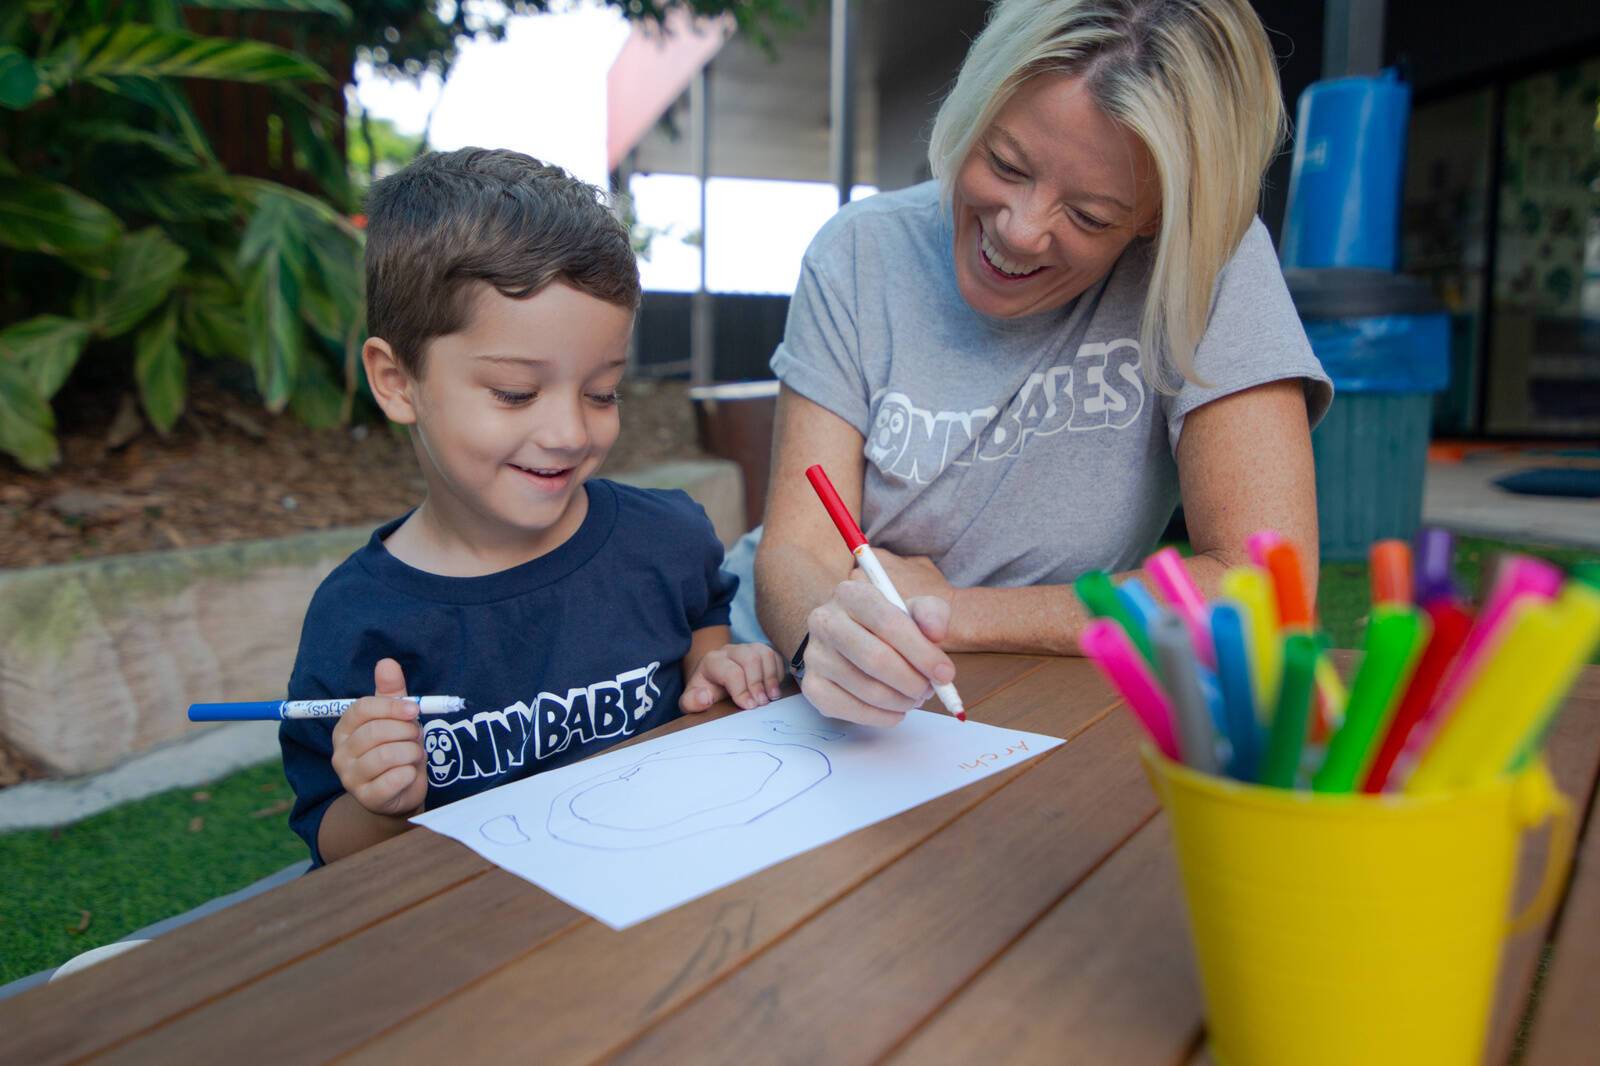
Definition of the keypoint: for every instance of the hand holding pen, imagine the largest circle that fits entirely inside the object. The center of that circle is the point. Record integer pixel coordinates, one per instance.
(377, 747)
(871, 656)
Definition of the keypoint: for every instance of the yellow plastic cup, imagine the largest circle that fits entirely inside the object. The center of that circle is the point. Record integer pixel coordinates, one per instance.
(1345, 929)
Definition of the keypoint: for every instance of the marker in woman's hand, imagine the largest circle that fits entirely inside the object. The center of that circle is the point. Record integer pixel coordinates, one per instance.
(856, 541)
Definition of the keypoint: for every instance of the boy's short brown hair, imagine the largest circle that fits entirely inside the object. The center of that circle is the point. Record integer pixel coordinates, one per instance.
(480, 215)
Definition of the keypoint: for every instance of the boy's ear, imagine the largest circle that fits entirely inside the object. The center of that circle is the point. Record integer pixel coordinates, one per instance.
(391, 385)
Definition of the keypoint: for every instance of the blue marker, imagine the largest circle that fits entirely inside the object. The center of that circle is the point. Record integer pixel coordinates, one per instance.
(277, 710)
(1138, 600)
(1238, 693)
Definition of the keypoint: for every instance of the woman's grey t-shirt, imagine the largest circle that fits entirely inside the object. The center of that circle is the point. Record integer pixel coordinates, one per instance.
(1015, 451)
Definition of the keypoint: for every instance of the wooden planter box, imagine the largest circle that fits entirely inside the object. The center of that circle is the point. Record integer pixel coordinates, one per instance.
(100, 659)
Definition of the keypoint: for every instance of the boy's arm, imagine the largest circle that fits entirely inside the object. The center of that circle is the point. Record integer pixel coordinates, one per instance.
(716, 668)
(702, 643)
(348, 827)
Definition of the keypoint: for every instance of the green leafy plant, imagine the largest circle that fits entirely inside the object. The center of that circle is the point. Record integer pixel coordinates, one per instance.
(123, 237)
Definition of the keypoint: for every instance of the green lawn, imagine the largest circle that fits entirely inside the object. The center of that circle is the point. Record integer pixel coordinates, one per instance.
(72, 889)
(1343, 595)
(68, 890)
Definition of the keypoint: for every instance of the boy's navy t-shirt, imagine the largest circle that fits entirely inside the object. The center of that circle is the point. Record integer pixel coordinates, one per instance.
(557, 658)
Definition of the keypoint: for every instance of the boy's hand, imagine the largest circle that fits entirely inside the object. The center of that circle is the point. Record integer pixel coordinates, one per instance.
(377, 747)
(748, 674)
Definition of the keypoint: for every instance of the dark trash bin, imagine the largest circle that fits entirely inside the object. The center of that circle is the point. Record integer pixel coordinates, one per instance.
(1384, 339)
(734, 421)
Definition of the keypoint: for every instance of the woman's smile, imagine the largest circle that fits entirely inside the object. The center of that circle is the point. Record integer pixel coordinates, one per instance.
(1004, 267)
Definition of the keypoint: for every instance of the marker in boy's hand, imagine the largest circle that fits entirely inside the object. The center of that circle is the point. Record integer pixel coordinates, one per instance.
(377, 747)
(748, 674)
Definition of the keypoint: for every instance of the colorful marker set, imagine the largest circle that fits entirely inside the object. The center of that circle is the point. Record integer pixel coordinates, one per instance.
(1443, 698)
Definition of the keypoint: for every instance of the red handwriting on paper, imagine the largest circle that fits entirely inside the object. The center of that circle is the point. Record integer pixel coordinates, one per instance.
(989, 758)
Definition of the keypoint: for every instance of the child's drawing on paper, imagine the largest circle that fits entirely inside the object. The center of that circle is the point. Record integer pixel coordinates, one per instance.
(680, 791)
(631, 833)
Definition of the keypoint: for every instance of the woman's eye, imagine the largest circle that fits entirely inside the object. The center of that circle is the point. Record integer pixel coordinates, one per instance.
(606, 399)
(512, 399)
(1003, 167)
(1089, 222)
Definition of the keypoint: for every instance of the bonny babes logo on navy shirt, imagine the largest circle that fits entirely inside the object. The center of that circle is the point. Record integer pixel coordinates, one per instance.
(492, 743)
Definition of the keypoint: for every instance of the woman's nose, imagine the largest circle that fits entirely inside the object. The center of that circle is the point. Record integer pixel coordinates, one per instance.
(1024, 227)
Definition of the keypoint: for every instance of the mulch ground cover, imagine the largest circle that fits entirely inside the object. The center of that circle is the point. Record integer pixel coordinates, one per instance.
(230, 471)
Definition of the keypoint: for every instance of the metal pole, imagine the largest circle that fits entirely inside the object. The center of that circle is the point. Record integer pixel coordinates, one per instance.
(1352, 37)
(622, 194)
(842, 98)
(701, 331)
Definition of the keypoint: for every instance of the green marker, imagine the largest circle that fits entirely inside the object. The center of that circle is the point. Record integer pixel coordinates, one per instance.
(1588, 572)
(1395, 635)
(1289, 719)
(1099, 595)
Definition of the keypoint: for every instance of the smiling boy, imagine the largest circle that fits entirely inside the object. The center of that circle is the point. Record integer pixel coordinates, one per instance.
(570, 613)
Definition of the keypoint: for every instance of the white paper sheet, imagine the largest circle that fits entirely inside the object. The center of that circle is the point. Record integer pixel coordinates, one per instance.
(634, 832)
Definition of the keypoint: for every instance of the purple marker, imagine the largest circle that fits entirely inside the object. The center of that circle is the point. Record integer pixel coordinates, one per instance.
(1435, 555)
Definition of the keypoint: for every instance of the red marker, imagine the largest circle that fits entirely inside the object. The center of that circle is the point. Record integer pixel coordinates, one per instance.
(856, 541)
(1451, 623)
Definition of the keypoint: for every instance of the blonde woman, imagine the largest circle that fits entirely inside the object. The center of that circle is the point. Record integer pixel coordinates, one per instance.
(1013, 372)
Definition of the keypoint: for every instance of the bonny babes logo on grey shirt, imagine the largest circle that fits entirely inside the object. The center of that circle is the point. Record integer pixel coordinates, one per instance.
(1100, 389)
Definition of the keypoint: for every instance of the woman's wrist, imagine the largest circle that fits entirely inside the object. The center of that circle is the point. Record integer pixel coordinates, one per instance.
(962, 634)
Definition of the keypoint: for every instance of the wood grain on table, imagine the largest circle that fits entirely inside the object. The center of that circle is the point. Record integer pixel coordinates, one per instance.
(1033, 916)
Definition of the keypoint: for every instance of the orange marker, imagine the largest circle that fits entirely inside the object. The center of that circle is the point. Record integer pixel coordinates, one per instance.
(1391, 572)
(1288, 581)
(1294, 611)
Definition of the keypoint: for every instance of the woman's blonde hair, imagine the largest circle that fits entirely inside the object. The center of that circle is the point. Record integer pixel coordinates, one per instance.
(1194, 80)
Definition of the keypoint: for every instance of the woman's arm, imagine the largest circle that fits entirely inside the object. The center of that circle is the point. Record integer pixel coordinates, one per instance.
(1244, 464)
(866, 660)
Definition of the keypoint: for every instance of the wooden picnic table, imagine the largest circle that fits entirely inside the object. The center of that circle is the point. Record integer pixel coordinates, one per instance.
(1033, 916)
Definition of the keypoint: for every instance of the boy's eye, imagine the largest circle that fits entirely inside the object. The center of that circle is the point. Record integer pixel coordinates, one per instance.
(511, 399)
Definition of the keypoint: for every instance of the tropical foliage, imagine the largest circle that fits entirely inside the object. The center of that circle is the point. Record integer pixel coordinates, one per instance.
(122, 237)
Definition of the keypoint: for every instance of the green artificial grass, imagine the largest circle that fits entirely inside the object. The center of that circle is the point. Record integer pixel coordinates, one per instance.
(68, 890)
(1344, 597)
(71, 889)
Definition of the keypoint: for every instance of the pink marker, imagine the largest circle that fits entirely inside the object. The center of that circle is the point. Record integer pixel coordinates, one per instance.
(1183, 595)
(1518, 579)
(1260, 544)
(1107, 643)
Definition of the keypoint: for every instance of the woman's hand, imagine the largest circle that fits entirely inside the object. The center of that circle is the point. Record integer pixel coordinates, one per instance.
(867, 661)
(912, 575)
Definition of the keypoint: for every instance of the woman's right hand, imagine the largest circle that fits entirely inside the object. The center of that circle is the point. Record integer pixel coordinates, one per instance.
(867, 661)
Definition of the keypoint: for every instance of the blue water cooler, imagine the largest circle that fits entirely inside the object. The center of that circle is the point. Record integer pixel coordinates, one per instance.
(1349, 165)
(1382, 337)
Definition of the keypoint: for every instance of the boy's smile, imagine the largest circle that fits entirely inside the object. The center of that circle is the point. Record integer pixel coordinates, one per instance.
(512, 415)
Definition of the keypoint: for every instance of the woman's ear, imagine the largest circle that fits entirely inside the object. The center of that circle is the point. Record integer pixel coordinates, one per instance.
(1151, 228)
(391, 386)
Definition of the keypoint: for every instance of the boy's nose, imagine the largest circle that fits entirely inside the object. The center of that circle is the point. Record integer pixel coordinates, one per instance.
(563, 429)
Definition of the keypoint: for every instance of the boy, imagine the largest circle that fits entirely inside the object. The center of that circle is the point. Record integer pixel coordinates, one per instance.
(569, 613)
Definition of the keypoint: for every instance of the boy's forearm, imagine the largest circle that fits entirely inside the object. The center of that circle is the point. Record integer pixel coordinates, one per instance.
(348, 827)
(703, 643)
